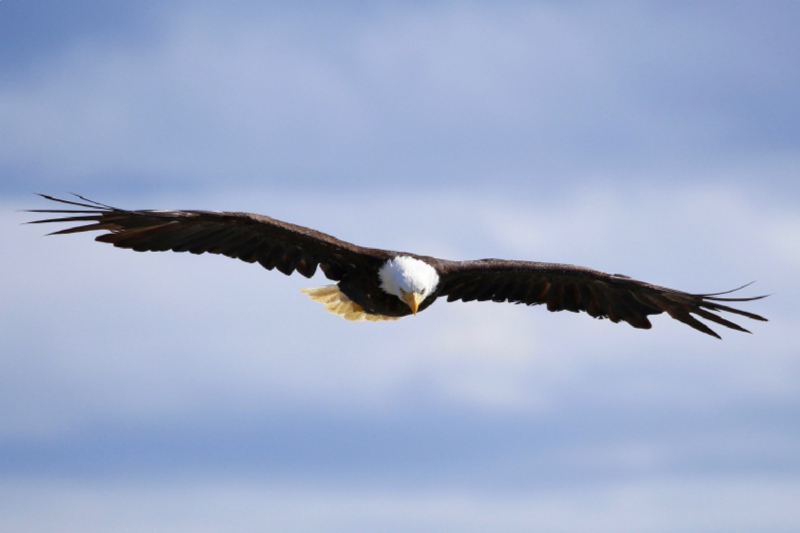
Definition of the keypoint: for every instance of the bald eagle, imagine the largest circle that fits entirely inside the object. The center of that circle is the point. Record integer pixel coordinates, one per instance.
(373, 284)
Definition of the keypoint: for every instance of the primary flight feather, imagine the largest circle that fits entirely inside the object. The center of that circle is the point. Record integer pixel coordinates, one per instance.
(374, 284)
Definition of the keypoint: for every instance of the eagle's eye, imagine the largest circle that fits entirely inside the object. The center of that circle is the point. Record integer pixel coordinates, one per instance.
(422, 292)
(402, 290)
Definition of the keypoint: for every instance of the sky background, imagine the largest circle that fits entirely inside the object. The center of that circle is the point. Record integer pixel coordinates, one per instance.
(175, 393)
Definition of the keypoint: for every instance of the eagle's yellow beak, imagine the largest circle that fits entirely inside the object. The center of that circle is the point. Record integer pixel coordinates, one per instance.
(413, 299)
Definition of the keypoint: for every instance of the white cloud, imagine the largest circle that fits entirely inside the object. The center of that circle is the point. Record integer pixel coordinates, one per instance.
(649, 506)
(438, 94)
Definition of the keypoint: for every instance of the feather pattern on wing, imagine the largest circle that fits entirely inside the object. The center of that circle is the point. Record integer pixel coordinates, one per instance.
(579, 289)
(252, 238)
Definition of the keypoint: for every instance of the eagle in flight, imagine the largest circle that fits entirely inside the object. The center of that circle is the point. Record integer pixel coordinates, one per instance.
(374, 284)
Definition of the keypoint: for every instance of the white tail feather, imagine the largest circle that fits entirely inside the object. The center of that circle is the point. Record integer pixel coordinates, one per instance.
(338, 303)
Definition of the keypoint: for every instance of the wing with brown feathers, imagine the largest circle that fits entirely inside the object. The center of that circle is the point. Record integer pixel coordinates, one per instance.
(272, 243)
(574, 288)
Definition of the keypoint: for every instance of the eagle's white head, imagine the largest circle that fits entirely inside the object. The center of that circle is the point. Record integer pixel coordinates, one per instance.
(409, 279)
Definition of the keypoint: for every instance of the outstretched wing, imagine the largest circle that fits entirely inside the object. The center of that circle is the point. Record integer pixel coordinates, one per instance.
(272, 243)
(574, 288)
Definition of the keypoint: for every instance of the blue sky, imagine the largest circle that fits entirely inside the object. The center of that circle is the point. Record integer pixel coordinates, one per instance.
(174, 393)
